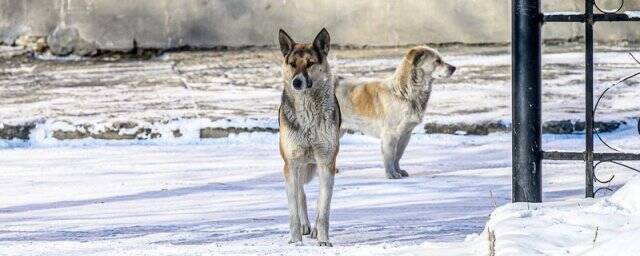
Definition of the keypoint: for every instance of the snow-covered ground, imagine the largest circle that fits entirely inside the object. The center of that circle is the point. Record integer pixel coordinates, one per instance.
(226, 197)
(184, 195)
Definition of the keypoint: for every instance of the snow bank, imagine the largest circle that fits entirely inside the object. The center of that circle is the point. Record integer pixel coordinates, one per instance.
(628, 197)
(608, 226)
(625, 243)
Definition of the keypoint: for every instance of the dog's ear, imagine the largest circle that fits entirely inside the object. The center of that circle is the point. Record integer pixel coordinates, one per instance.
(286, 43)
(322, 42)
(416, 56)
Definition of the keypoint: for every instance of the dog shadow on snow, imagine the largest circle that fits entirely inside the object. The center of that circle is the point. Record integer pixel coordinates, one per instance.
(407, 222)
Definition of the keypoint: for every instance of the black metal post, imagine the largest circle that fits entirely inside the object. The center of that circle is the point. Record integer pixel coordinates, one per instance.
(526, 87)
(588, 40)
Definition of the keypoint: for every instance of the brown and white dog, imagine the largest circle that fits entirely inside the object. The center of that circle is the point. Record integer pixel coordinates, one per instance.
(390, 108)
(309, 119)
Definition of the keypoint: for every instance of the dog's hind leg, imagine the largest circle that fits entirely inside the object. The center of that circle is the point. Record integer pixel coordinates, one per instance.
(292, 186)
(326, 174)
(305, 176)
(402, 145)
(389, 147)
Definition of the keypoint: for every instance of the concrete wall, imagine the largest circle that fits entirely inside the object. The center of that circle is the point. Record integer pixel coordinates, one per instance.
(115, 24)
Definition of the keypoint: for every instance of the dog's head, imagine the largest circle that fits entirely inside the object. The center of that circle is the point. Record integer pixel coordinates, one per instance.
(430, 61)
(305, 66)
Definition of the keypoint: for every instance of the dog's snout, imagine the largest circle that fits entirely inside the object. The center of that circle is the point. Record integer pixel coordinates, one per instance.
(452, 69)
(297, 83)
(301, 82)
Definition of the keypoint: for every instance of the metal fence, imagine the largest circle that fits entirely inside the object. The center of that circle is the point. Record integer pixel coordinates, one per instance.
(527, 22)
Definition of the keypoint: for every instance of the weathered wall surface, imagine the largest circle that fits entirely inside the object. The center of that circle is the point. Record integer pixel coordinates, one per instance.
(113, 24)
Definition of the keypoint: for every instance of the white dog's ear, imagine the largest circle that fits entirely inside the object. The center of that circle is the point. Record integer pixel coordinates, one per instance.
(416, 56)
(286, 43)
(322, 41)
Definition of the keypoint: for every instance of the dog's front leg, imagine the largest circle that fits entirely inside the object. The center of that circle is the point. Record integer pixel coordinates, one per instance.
(292, 183)
(402, 145)
(389, 147)
(304, 177)
(326, 174)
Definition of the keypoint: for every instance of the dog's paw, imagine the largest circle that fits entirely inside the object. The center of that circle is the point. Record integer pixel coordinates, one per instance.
(305, 229)
(403, 173)
(325, 244)
(314, 233)
(295, 243)
(393, 175)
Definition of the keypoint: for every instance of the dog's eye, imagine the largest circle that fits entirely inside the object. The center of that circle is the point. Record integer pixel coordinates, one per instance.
(292, 64)
(438, 61)
(310, 63)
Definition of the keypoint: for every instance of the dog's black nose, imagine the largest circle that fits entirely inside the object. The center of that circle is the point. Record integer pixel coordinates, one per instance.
(297, 83)
(452, 69)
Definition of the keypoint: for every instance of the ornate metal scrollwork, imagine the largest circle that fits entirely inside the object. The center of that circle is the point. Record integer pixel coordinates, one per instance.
(605, 11)
(597, 133)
